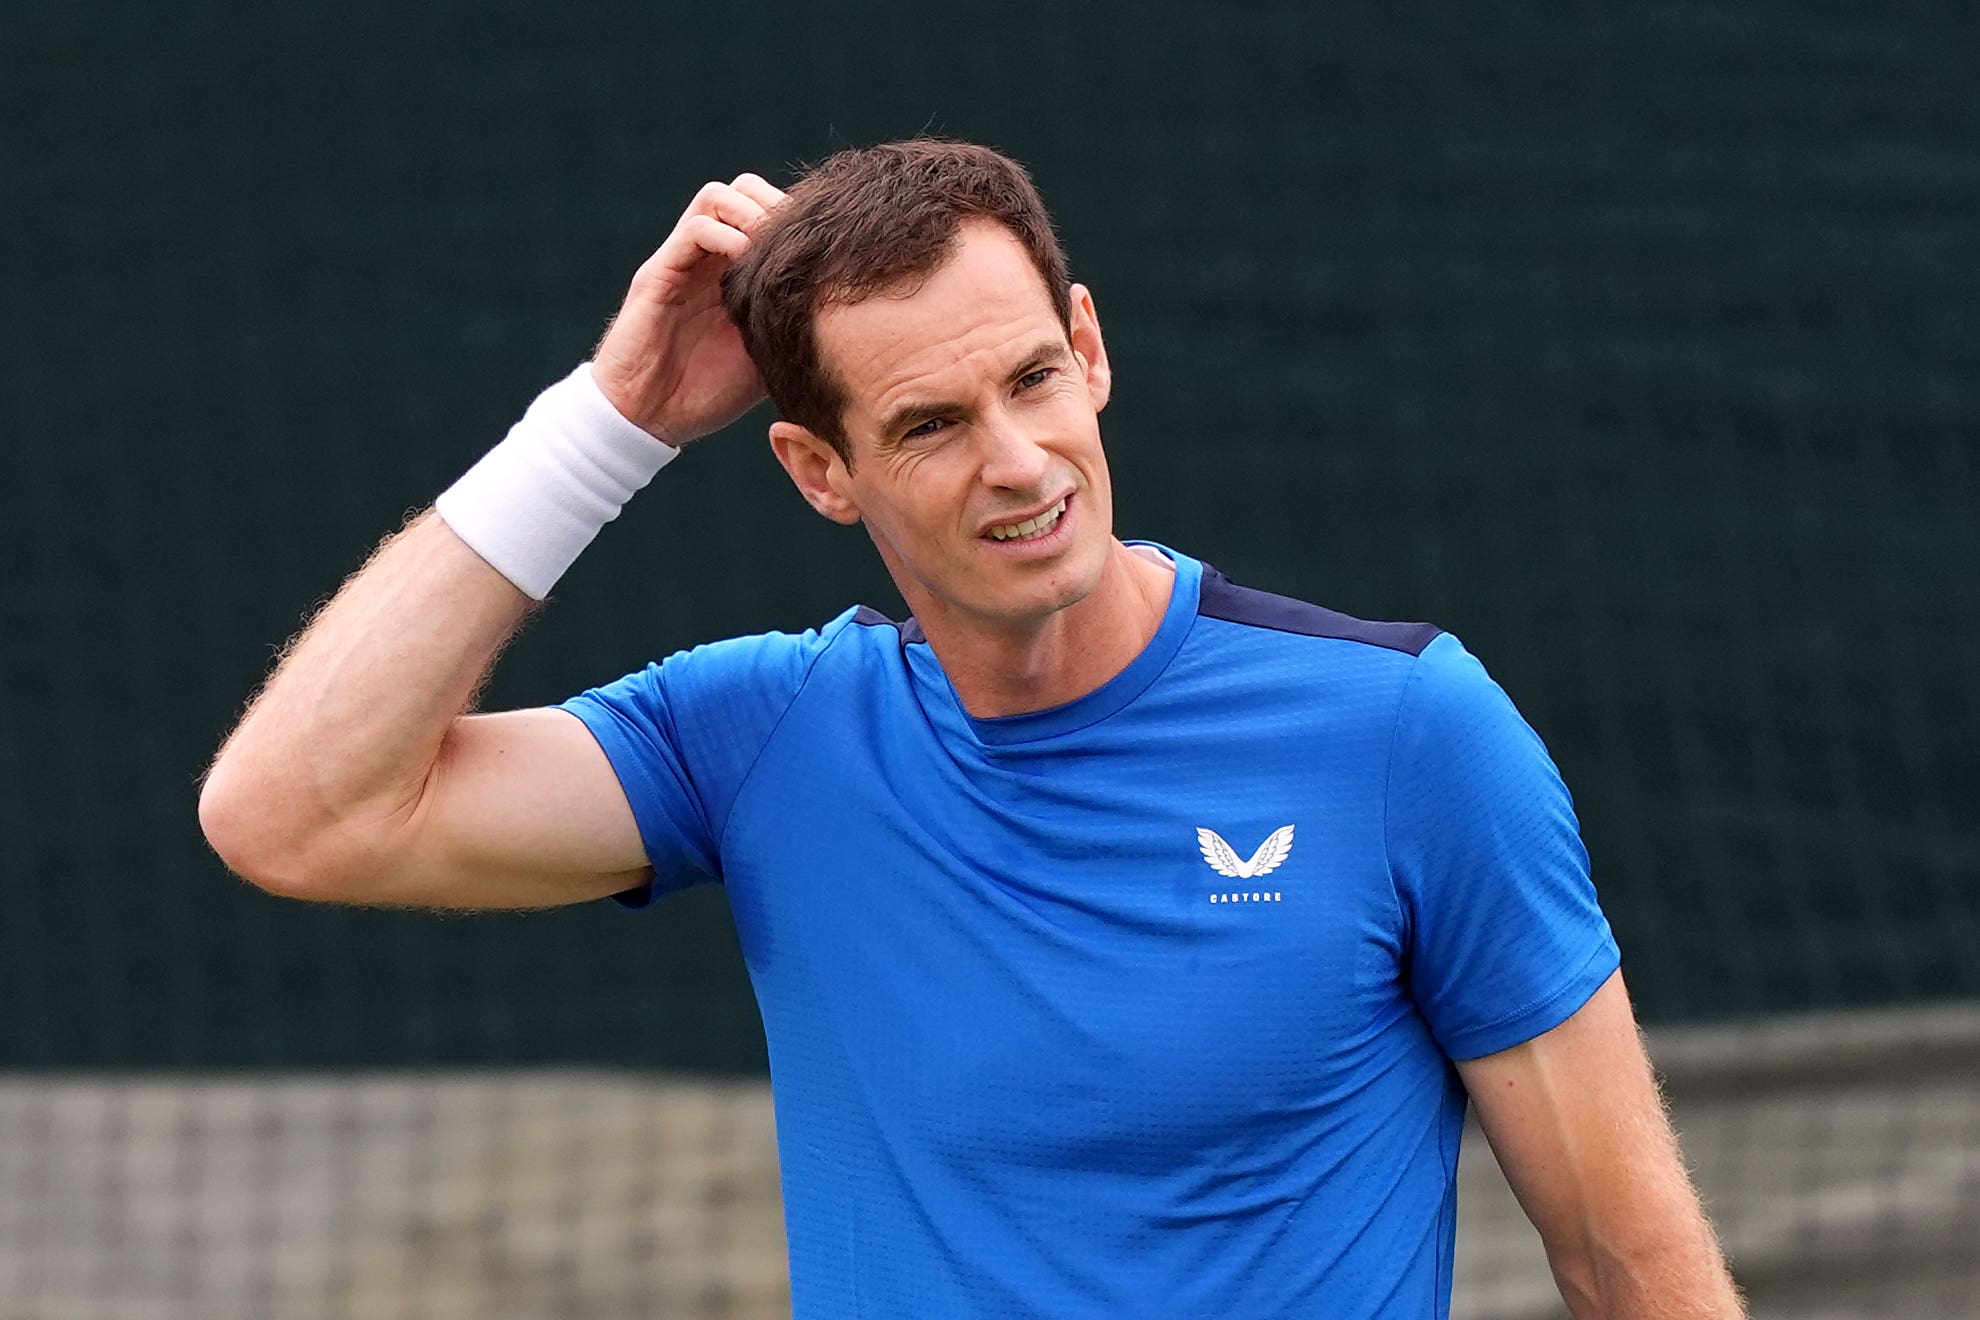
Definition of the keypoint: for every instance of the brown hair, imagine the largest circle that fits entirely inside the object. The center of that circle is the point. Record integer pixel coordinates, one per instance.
(862, 222)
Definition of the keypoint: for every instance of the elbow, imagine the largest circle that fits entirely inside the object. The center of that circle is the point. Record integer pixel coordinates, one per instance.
(1577, 1274)
(264, 842)
(1667, 1271)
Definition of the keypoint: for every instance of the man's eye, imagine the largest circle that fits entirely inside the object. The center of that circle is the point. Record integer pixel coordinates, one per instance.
(929, 427)
(1033, 379)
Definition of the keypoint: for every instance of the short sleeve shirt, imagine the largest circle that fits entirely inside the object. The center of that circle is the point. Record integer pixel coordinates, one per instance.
(1141, 1005)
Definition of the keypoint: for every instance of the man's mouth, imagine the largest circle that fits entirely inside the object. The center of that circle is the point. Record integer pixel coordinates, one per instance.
(1031, 528)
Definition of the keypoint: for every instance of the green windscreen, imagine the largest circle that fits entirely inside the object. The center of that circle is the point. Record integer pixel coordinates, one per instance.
(1639, 348)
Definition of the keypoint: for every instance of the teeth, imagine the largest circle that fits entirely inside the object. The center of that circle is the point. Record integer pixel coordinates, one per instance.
(1030, 528)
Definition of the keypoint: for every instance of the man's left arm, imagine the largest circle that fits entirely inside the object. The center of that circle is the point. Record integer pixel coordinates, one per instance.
(1578, 1125)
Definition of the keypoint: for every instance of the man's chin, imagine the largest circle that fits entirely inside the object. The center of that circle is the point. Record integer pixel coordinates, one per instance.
(1002, 593)
(1056, 589)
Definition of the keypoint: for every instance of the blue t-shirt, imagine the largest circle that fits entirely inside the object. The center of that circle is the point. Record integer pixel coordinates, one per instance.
(1143, 1005)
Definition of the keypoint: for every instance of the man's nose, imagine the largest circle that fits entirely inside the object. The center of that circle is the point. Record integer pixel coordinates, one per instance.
(1013, 458)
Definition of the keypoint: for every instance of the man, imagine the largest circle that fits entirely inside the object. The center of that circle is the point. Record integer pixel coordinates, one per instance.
(1115, 928)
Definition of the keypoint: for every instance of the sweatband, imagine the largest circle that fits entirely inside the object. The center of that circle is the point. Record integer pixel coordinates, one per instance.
(533, 502)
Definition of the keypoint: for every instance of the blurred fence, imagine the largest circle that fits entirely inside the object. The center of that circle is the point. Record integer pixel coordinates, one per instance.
(1840, 1157)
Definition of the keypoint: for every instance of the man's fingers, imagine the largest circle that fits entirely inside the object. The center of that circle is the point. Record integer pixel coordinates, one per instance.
(729, 204)
(758, 189)
(717, 221)
(693, 240)
(712, 235)
(670, 360)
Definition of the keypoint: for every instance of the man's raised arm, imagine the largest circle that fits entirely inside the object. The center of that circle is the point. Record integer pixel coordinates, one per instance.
(355, 775)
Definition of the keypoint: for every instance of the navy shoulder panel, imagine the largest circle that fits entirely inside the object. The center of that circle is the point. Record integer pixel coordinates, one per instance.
(1225, 599)
(868, 617)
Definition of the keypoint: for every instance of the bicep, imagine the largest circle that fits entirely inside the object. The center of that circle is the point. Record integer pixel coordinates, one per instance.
(1578, 1126)
(522, 810)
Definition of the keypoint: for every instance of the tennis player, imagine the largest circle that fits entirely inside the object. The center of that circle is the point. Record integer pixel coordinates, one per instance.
(1128, 942)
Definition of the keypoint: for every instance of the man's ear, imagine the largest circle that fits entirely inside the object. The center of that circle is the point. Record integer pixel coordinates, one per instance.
(1090, 348)
(815, 469)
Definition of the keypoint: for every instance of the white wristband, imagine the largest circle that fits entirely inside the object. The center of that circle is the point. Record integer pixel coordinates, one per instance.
(533, 503)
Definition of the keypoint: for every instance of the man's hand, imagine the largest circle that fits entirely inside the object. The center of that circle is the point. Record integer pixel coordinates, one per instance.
(671, 361)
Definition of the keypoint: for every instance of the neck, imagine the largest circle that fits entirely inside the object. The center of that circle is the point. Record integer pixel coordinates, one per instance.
(1003, 669)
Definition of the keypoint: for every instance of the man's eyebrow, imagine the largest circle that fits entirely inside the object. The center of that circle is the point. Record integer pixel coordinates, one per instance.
(912, 414)
(1047, 353)
(907, 416)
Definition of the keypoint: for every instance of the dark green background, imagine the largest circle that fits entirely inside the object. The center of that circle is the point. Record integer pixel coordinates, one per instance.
(1642, 350)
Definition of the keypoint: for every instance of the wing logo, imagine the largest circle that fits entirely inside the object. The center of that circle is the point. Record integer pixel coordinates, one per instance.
(1223, 859)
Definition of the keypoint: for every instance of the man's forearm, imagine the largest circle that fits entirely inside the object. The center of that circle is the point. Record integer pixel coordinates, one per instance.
(348, 746)
(345, 732)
